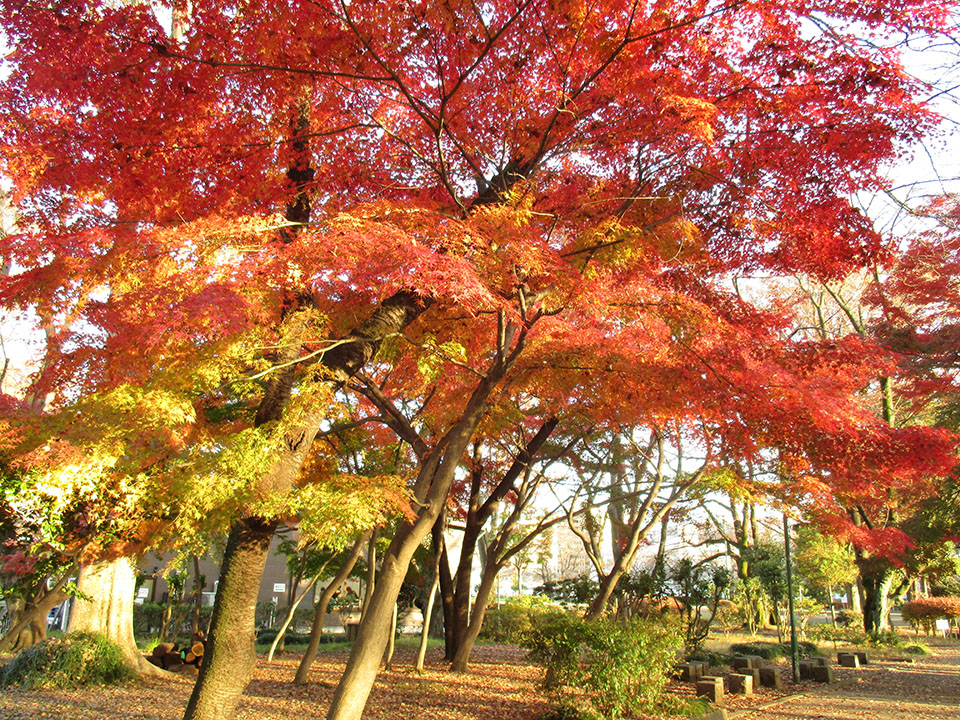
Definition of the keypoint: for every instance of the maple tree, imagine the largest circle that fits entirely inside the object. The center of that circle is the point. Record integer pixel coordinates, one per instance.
(549, 198)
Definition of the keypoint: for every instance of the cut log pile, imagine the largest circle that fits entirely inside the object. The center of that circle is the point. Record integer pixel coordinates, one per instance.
(171, 657)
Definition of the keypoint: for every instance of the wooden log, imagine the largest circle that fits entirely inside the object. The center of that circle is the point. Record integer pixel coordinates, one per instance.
(189, 658)
(162, 649)
(172, 661)
(197, 649)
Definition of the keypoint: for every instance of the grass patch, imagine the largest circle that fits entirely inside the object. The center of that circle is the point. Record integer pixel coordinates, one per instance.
(72, 661)
(918, 649)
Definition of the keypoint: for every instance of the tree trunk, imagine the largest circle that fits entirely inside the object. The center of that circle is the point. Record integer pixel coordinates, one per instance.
(446, 592)
(109, 587)
(320, 607)
(607, 585)
(290, 613)
(229, 654)
(876, 587)
(462, 659)
(833, 609)
(427, 616)
(371, 574)
(197, 597)
(392, 642)
(361, 671)
(462, 584)
(29, 624)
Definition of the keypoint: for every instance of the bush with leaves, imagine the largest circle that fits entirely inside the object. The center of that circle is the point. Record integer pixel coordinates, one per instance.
(74, 660)
(605, 667)
(512, 621)
(837, 635)
(772, 650)
(924, 612)
(698, 590)
(850, 619)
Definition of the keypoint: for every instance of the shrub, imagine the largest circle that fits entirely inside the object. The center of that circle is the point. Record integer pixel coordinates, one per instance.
(72, 661)
(512, 621)
(604, 668)
(850, 619)
(917, 650)
(713, 659)
(766, 650)
(835, 635)
(885, 638)
(290, 637)
(924, 612)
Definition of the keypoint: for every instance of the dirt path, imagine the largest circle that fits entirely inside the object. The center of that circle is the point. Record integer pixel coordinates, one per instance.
(927, 689)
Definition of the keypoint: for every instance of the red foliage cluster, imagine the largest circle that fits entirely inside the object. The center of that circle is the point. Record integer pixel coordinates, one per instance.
(924, 611)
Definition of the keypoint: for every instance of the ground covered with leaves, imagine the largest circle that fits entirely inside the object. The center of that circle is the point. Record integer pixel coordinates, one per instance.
(502, 685)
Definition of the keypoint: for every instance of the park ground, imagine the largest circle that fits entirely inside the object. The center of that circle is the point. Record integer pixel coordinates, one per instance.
(504, 686)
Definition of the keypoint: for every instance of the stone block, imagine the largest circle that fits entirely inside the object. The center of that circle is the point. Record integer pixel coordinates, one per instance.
(862, 656)
(702, 668)
(741, 684)
(806, 669)
(770, 677)
(849, 660)
(821, 661)
(754, 673)
(689, 672)
(711, 688)
(823, 673)
(745, 662)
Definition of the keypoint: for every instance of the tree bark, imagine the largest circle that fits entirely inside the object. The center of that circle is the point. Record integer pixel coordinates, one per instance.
(29, 624)
(320, 607)
(462, 658)
(392, 641)
(446, 590)
(229, 653)
(109, 587)
(197, 597)
(431, 488)
(876, 587)
(428, 614)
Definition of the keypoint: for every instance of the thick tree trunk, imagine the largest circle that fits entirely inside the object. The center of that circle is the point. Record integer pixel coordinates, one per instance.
(229, 654)
(109, 587)
(320, 607)
(461, 590)
(876, 588)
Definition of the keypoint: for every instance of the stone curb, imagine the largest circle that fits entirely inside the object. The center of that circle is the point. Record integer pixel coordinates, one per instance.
(841, 685)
